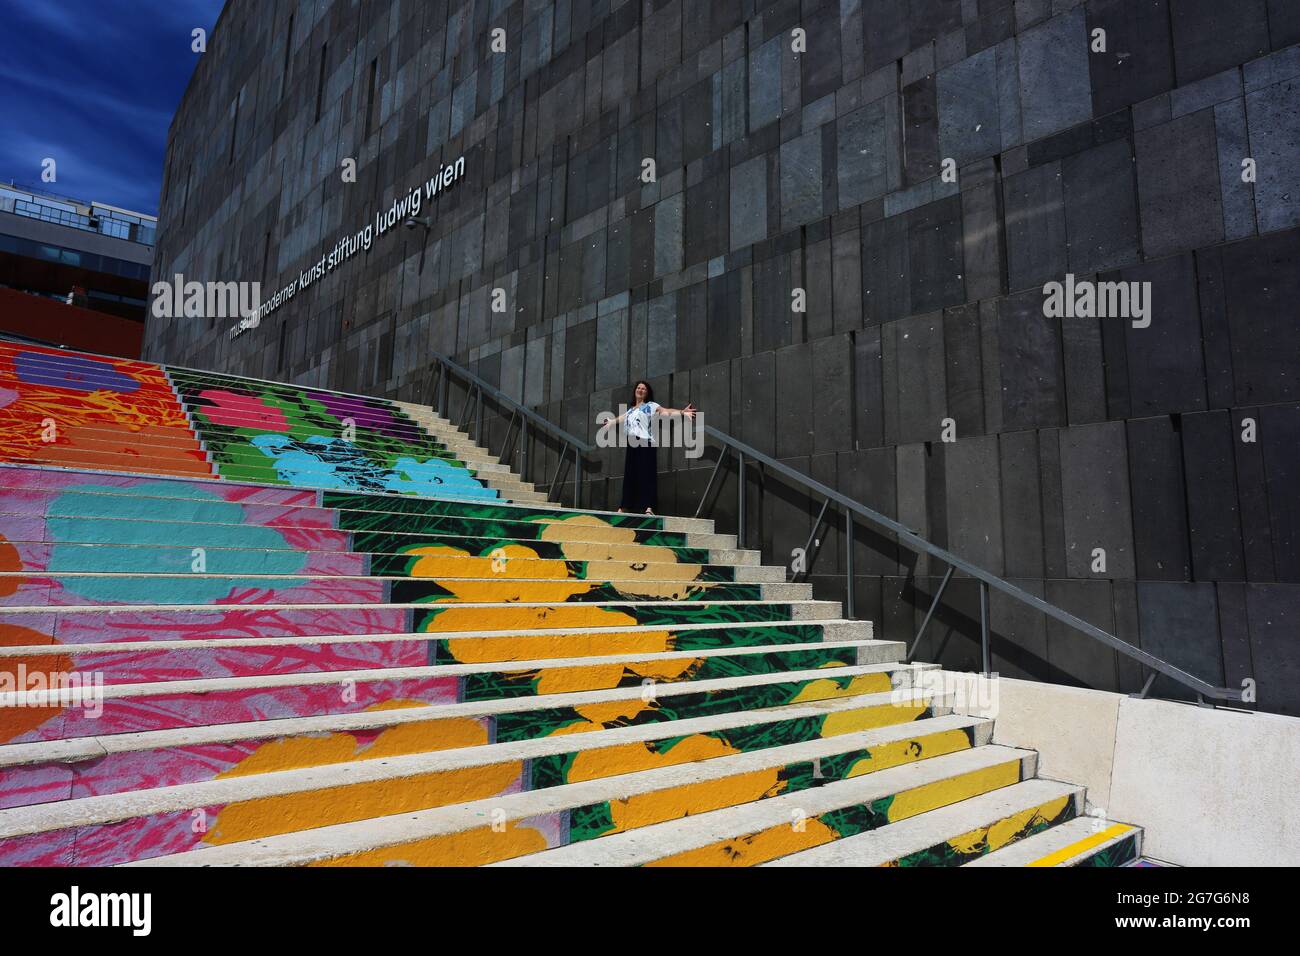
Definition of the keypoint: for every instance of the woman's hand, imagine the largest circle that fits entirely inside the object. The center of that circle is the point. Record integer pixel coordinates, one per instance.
(689, 410)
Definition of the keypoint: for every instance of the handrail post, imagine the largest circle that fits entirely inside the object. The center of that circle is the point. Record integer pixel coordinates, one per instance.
(984, 627)
(462, 420)
(555, 475)
(478, 419)
(709, 487)
(740, 501)
(523, 448)
(848, 562)
(577, 478)
(506, 439)
(436, 383)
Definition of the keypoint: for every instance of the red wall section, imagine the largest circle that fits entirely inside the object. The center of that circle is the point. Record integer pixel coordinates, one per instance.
(37, 317)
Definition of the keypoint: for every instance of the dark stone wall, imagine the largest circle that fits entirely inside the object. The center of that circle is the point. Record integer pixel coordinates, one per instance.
(821, 170)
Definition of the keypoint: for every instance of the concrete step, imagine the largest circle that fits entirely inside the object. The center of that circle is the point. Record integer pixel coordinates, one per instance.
(91, 624)
(755, 833)
(115, 828)
(209, 466)
(127, 662)
(494, 559)
(1083, 841)
(122, 708)
(103, 437)
(954, 834)
(309, 528)
(70, 590)
(170, 545)
(205, 495)
(590, 819)
(188, 464)
(165, 438)
(43, 771)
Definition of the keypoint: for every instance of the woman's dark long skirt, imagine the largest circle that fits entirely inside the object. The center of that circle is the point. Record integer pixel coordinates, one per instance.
(640, 480)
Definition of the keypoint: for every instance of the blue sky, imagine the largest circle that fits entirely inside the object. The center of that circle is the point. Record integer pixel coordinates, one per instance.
(93, 84)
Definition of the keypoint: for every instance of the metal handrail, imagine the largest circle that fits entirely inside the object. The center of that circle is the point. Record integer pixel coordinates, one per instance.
(918, 544)
(472, 411)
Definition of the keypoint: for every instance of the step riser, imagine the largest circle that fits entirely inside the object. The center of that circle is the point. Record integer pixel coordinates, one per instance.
(158, 834)
(102, 558)
(19, 428)
(818, 830)
(163, 710)
(163, 441)
(163, 590)
(16, 480)
(520, 837)
(388, 554)
(163, 766)
(1124, 851)
(96, 626)
(113, 559)
(140, 663)
(378, 480)
(183, 466)
(972, 845)
(205, 492)
(139, 520)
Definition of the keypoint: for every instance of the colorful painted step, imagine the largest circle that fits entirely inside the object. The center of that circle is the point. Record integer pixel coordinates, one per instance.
(744, 711)
(957, 833)
(133, 661)
(283, 673)
(575, 820)
(106, 831)
(124, 708)
(73, 409)
(1088, 841)
(73, 589)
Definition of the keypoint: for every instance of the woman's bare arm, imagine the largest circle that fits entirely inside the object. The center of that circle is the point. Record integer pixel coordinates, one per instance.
(688, 411)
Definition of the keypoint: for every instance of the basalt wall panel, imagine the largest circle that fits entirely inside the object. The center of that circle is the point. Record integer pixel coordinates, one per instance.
(836, 243)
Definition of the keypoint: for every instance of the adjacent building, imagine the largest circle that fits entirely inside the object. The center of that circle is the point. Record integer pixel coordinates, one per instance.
(73, 272)
(830, 225)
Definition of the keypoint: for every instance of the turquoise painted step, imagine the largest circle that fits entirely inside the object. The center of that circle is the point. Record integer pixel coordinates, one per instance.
(39, 590)
(361, 502)
(107, 558)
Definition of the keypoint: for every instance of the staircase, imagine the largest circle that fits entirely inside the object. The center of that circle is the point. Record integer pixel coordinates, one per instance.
(277, 647)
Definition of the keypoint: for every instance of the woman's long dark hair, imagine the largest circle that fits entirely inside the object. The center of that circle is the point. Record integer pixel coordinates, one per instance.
(649, 391)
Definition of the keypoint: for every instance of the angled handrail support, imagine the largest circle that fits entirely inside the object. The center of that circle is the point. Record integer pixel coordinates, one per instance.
(916, 641)
(808, 557)
(713, 477)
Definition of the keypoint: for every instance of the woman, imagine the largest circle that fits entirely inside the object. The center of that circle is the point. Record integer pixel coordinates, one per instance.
(641, 472)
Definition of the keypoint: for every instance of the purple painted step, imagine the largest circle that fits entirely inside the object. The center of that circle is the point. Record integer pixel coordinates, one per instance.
(142, 663)
(166, 709)
(226, 621)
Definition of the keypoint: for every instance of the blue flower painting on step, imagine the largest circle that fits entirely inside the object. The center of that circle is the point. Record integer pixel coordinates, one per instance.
(330, 462)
